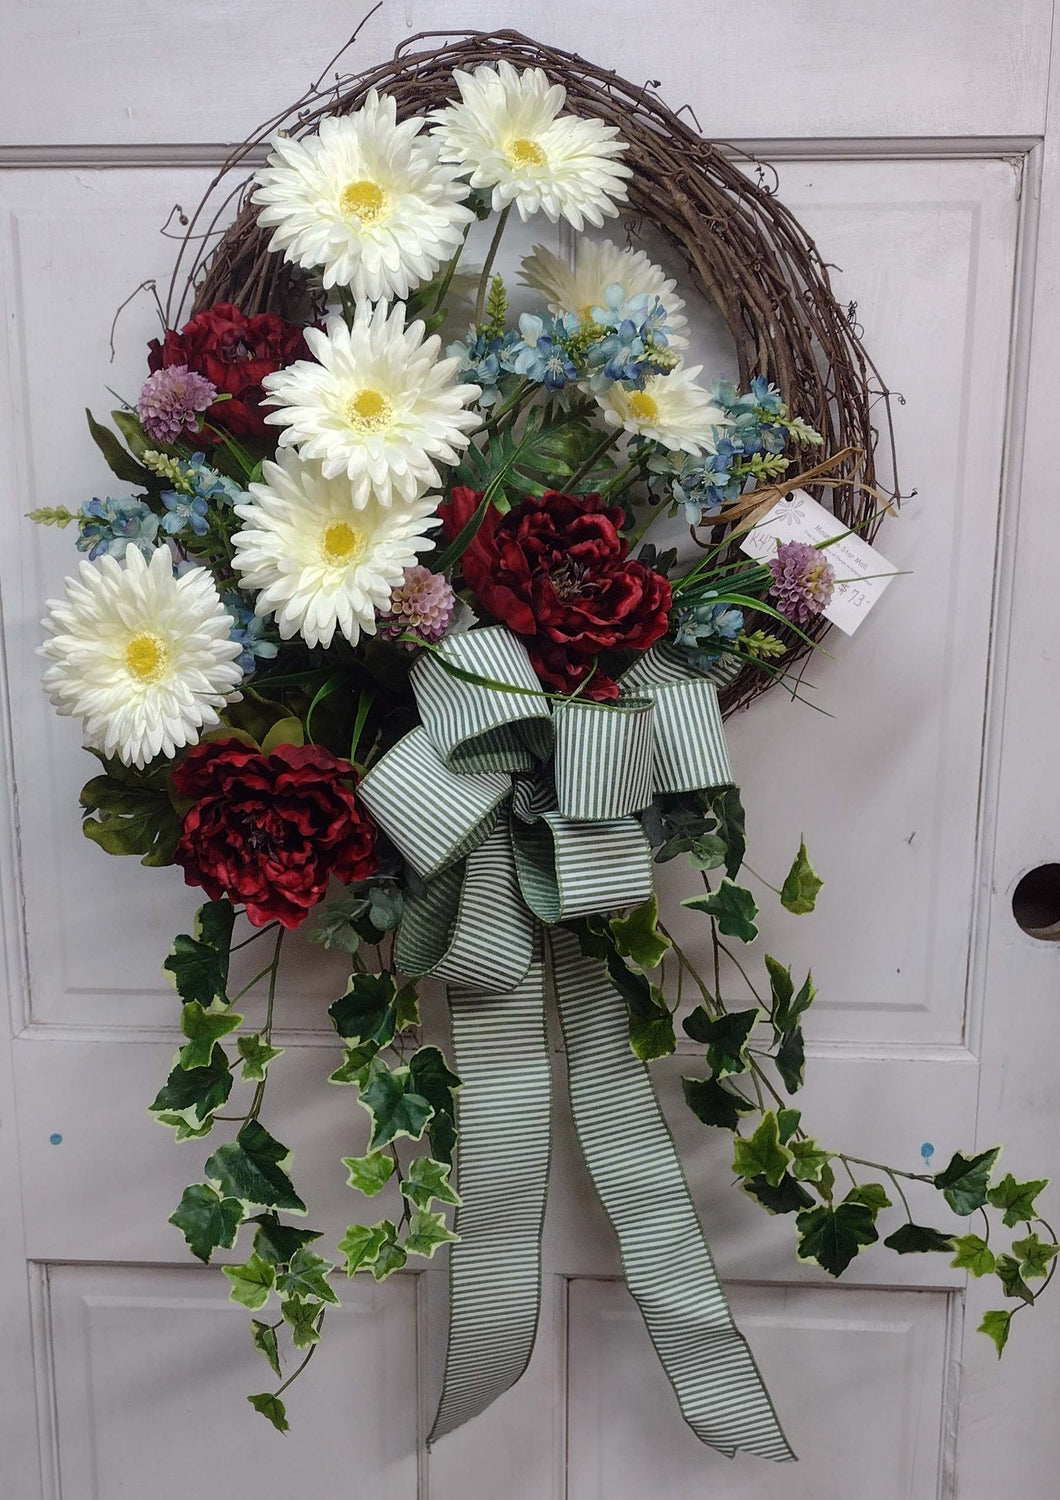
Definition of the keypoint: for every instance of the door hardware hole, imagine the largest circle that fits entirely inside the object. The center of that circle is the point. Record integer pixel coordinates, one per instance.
(1036, 903)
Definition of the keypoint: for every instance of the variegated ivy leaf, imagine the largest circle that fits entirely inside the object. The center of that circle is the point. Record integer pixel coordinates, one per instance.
(964, 1182)
(426, 1232)
(1034, 1255)
(207, 1221)
(307, 1277)
(256, 1054)
(915, 1239)
(973, 1254)
(362, 1243)
(714, 1104)
(279, 1242)
(203, 1028)
(762, 1154)
(810, 1160)
(272, 1408)
(801, 884)
(389, 1095)
(725, 1038)
(996, 1325)
(637, 935)
(369, 1174)
(264, 1335)
(732, 907)
(833, 1236)
(190, 1096)
(253, 1168)
(198, 965)
(251, 1283)
(304, 1319)
(428, 1180)
(1016, 1199)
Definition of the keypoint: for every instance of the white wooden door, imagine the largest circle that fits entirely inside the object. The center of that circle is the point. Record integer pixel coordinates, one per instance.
(921, 145)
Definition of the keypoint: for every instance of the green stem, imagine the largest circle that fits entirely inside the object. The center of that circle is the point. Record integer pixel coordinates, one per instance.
(642, 531)
(513, 401)
(587, 467)
(258, 977)
(260, 932)
(878, 1166)
(491, 256)
(450, 270)
(259, 1092)
(898, 1189)
(631, 471)
(295, 1373)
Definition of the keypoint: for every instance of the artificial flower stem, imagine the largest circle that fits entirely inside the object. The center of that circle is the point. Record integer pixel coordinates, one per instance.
(487, 267)
(450, 270)
(645, 527)
(513, 402)
(590, 463)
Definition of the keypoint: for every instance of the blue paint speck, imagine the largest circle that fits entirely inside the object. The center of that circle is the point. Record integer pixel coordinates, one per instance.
(56, 1139)
(927, 1151)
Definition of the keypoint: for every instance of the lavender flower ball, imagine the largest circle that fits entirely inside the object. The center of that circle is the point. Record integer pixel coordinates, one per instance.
(803, 581)
(171, 401)
(421, 605)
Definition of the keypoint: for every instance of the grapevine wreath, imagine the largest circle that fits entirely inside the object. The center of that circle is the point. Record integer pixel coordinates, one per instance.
(378, 644)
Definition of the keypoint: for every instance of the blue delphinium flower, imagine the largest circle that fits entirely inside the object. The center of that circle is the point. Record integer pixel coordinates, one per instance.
(706, 628)
(184, 510)
(208, 484)
(248, 631)
(110, 527)
(485, 358)
(542, 353)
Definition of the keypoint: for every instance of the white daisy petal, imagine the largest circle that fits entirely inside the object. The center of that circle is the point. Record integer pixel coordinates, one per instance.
(364, 199)
(379, 406)
(599, 264)
(321, 558)
(672, 409)
(142, 657)
(507, 130)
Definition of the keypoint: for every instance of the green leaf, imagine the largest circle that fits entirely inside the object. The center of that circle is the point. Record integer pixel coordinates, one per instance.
(799, 891)
(391, 1258)
(1016, 1198)
(973, 1254)
(183, 1128)
(406, 1007)
(362, 1243)
(787, 1123)
(725, 1038)
(1034, 1256)
(728, 810)
(51, 515)
(119, 462)
(810, 1160)
(251, 1282)
(256, 1054)
(204, 1028)
(790, 1058)
(354, 1062)
(714, 1104)
(426, 1232)
(732, 907)
(396, 1109)
(253, 1168)
(130, 816)
(213, 926)
(272, 1407)
(787, 1197)
(637, 935)
(707, 852)
(199, 972)
(366, 1012)
(264, 1336)
(434, 1080)
(786, 1005)
(914, 1239)
(762, 1154)
(279, 1242)
(652, 1036)
(287, 731)
(1009, 1274)
(871, 1194)
(428, 1180)
(832, 1237)
(995, 1325)
(307, 1277)
(128, 424)
(963, 1183)
(206, 1220)
(304, 1318)
(369, 1174)
(190, 1096)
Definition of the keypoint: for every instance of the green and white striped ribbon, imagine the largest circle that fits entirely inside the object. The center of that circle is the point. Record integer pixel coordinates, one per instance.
(504, 1118)
(505, 846)
(636, 1171)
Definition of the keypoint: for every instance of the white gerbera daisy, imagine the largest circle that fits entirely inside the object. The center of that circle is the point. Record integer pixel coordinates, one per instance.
(599, 264)
(321, 561)
(144, 658)
(364, 198)
(509, 131)
(378, 406)
(672, 409)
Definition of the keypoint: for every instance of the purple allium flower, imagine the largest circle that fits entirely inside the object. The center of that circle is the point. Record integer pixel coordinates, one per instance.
(422, 605)
(171, 400)
(803, 581)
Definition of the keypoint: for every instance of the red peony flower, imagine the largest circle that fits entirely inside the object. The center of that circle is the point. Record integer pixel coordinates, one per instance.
(556, 572)
(271, 830)
(236, 353)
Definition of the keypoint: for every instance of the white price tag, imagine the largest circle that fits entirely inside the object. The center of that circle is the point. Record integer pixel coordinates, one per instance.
(861, 572)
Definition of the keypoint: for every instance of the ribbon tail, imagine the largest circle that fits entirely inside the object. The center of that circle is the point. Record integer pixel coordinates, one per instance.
(634, 1165)
(504, 1116)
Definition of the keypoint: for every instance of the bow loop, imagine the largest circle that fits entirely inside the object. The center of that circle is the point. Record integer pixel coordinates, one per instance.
(604, 757)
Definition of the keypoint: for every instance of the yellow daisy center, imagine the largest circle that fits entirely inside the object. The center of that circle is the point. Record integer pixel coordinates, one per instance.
(369, 411)
(524, 153)
(644, 407)
(147, 657)
(364, 200)
(340, 543)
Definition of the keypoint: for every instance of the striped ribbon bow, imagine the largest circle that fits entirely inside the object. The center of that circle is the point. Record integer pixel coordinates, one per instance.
(519, 815)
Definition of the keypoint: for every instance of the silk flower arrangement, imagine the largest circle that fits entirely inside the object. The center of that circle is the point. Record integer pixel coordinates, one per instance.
(380, 623)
